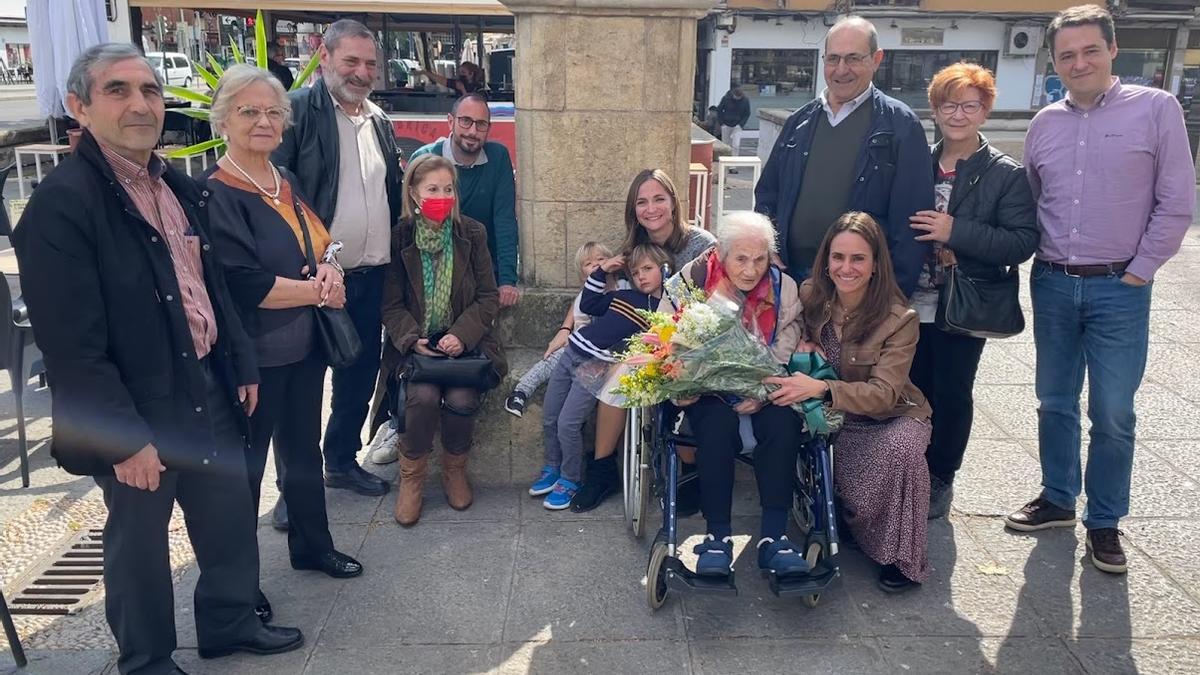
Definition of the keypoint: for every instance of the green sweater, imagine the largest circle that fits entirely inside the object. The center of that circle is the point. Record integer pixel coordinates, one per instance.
(488, 193)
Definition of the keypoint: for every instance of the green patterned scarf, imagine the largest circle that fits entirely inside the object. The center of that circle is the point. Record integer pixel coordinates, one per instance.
(436, 273)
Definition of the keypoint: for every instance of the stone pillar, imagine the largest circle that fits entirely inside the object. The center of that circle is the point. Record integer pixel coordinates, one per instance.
(603, 90)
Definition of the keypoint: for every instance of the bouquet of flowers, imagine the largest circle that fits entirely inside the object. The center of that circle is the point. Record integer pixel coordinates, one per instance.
(702, 348)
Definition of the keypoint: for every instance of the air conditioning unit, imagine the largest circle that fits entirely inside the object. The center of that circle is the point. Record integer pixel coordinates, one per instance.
(1023, 40)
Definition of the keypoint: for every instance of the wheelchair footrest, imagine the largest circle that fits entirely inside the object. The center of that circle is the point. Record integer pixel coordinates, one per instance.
(812, 582)
(680, 578)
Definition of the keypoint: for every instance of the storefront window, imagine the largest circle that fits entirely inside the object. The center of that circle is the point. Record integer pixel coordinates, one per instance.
(905, 74)
(775, 78)
(1142, 57)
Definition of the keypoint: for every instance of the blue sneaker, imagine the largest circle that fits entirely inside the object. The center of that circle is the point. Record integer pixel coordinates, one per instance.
(716, 557)
(562, 494)
(545, 483)
(781, 557)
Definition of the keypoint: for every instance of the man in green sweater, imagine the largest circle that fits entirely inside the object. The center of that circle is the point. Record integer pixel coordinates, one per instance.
(486, 190)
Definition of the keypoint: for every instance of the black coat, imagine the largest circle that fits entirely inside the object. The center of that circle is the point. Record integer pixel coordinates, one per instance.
(104, 302)
(733, 111)
(995, 217)
(310, 150)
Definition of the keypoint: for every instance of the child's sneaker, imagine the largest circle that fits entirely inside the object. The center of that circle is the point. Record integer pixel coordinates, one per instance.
(515, 403)
(545, 483)
(562, 494)
(781, 557)
(716, 557)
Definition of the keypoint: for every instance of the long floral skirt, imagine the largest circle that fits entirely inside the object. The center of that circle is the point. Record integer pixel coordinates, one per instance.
(882, 479)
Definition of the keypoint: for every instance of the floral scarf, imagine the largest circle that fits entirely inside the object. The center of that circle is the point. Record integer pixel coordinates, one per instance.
(436, 272)
(760, 310)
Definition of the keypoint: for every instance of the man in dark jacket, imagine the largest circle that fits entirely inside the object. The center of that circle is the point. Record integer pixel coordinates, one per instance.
(733, 112)
(150, 372)
(343, 151)
(870, 154)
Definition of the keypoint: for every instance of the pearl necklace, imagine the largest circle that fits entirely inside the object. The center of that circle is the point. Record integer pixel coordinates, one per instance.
(275, 172)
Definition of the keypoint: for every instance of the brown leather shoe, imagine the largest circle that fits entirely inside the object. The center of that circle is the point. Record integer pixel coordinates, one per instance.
(1104, 547)
(1039, 514)
(454, 481)
(412, 483)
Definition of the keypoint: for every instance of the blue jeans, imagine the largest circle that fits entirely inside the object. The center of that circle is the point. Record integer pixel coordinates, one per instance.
(354, 385)
(1101, 324)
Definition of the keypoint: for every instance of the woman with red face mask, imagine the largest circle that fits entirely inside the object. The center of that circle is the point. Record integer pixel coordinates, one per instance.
(439, 299)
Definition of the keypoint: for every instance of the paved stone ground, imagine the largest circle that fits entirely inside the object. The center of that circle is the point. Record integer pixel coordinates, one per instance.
(508, 587)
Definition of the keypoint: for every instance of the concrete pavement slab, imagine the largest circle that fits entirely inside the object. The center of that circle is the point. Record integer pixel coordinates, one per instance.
(951, 656)
(1183, 456)
(628, 657)
(1173, 545)
(58, 662)
(583, 581)
(787, 654)
(1074, 599)
(1165, 656)
(962, 598)
(976, 490)
(435, 583)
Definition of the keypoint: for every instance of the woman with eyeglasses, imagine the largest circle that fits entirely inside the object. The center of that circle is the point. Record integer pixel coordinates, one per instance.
(260, 224)
(984, 220)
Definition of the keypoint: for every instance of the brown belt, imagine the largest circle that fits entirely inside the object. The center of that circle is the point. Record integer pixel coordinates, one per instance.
(1088, 270)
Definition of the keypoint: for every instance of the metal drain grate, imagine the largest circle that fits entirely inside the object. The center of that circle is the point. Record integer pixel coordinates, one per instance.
(65, 584)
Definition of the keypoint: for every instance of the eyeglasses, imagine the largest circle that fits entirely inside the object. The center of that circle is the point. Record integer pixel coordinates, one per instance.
(851, 60)
(465, 122)
(251, 114)
(968, 107)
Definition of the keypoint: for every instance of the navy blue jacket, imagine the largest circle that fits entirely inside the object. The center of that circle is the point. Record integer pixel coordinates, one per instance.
(893, 178)
(616, 318)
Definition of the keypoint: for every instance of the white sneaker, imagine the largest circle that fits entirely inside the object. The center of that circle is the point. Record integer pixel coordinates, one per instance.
(385, 449)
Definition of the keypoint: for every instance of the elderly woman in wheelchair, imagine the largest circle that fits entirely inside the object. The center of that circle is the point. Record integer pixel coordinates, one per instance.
(739, 267)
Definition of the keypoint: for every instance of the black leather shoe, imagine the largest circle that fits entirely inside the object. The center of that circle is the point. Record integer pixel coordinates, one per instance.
(1104, 547)
(335, 564)
(268, 640)
(1039, 514)
(279, 516)
(358, 480)
(892, 580)
(262, 608)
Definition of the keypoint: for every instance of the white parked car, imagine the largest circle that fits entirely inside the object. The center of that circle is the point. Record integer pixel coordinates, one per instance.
(174, 67)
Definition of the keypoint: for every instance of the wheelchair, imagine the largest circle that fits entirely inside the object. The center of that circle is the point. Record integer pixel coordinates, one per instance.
(651, 473)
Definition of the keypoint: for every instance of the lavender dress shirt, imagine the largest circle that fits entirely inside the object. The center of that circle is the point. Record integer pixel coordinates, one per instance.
(1114, 182)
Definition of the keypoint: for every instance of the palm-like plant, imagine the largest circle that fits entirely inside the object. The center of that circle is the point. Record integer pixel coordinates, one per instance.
(213, 78)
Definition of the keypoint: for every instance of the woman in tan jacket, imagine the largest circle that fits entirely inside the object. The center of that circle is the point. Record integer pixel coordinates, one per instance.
(855, 313)
(438, 285)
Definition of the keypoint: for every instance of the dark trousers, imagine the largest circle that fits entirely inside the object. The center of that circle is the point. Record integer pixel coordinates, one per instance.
(289, 412)
(944, 370)
(354, 385)
(715, 426)
(428, 406)
(139, 599)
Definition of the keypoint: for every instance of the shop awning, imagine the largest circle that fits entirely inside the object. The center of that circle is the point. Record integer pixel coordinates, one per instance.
(326, 7)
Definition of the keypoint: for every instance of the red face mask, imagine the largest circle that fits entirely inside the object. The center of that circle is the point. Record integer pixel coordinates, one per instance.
(436, 209)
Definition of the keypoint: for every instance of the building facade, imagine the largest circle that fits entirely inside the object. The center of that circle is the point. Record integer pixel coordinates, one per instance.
(772, 47)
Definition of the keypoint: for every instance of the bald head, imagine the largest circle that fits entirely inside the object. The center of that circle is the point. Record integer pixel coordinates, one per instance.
(858, 25)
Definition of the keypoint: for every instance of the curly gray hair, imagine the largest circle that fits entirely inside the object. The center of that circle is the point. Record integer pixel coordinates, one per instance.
(739, 225)
(237, 78)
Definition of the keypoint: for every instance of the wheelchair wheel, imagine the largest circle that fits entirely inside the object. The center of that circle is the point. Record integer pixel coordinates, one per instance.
(639, 477)
(813, 555)
(803, 499)
(656, 576)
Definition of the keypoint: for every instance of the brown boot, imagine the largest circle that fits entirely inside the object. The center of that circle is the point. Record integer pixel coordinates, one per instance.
(412, 482)
(454, 481)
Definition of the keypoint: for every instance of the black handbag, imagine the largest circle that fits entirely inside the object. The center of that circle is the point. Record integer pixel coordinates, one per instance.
(982, 308)
(334, 330)
(471, 370)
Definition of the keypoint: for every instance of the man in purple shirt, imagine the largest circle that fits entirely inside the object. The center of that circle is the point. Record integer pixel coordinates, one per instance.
(1115, 188)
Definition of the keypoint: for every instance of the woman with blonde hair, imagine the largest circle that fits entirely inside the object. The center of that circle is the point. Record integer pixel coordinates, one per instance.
(439, 299)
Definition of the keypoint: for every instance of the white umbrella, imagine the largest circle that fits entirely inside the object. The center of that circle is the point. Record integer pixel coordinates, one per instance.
(59, 31)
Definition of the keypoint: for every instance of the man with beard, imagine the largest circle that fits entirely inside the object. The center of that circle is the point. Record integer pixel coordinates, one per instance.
(343, 151)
